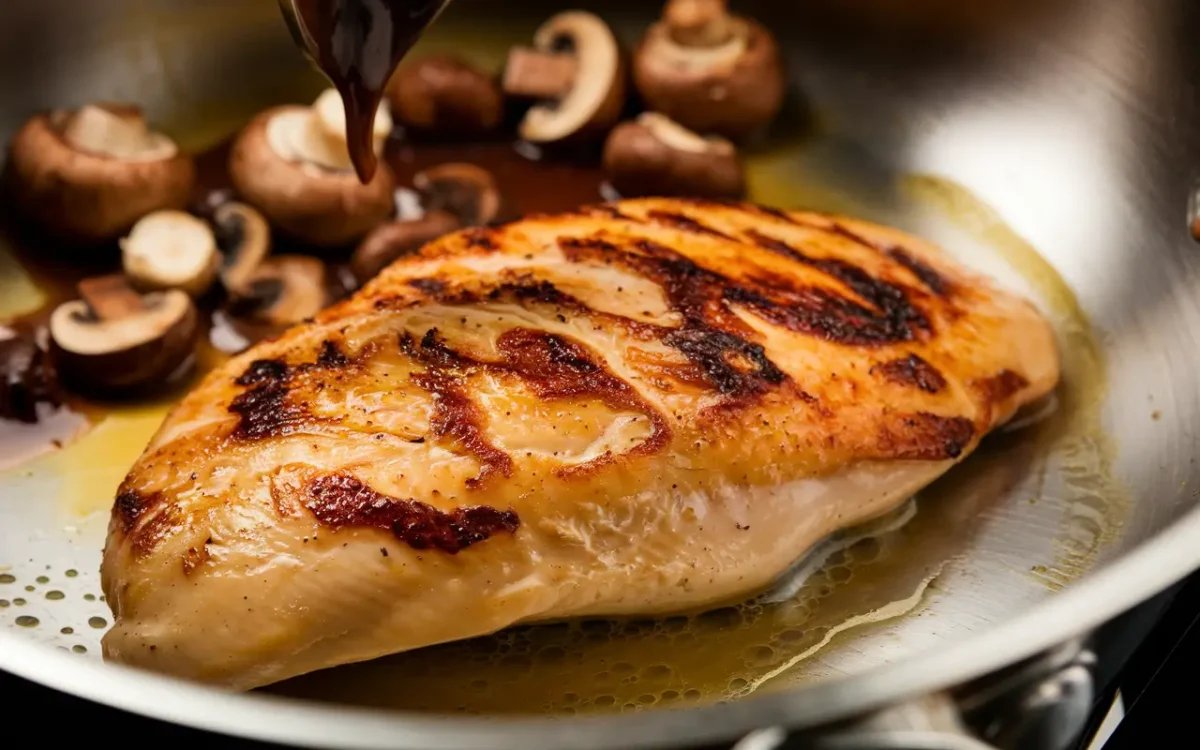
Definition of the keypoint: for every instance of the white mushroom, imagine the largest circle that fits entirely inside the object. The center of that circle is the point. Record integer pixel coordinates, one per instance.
(171, 250)
(583, 88)
(114, 339)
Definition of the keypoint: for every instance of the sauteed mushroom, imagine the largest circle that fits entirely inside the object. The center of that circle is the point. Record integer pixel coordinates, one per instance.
(114, 339)
(445, 95)
(397, 239)
(283, 291)
(88, 175)
(293, 165)
(171, 250)
(654, 155)
(710, 71)
(245, 240)
(576, 69)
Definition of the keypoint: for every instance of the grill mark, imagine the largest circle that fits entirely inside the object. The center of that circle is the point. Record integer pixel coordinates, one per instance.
(557, 368)
(922, 436)
(1001, 386)
(935, 282)
(684, 223)
(263, 371)
(712, 338)
(131, 506)
(605, 210)
(342, 501)
(481, 238)
(264, 409)
(456, 418)
(913, 371)
(894, 319)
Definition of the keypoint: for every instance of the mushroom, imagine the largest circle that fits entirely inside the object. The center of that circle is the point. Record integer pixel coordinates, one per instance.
(114, 339)
(284, 290)
(171, 250)
(396, 239)
(467, 191)
(710, 71)
(654, 155)
(576, 69)
(292, 164)
(27, 377)
(88, 175)
(245, 241)
(445, 95)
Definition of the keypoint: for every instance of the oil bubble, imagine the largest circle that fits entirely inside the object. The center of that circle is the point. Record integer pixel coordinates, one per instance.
(603, 701)
(692, 694)
(865, 550)
(42, 579)
(840, 574)
(89, 597)
(623, 667)
(725, 617)
(4, 603)
(792, 635)
(737, 683)
(670, 695)
(97, 622)
(55, 596)
(67, 631)
(26, 621)
(79, 649)
(570, 698)
(72, 573)
(19, 602)
(7, 578)
(760, 654)
(647, 700)
(656, 672)
(31, 588)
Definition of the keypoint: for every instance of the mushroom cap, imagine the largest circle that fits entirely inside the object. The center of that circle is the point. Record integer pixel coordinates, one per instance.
(315, 205)
(595, 101)
(466, 190)
(393, 240)
(140, 350)
(445, 95)
(734, 89)
(656, 156)
(82, 196)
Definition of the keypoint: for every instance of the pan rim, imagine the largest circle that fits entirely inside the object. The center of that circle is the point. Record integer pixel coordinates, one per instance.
(1146, 570)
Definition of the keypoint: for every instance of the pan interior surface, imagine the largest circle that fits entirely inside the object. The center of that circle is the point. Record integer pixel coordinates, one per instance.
(988, 146)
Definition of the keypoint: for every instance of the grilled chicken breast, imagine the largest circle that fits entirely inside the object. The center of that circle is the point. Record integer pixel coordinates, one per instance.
(637, 408)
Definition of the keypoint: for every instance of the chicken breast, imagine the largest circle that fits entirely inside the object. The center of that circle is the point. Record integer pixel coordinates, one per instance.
(641, 407)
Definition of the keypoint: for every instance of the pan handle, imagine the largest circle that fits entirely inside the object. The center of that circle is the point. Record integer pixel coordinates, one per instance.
(1039, 704)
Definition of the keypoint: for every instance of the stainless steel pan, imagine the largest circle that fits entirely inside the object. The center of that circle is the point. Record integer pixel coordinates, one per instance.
(1066, 126)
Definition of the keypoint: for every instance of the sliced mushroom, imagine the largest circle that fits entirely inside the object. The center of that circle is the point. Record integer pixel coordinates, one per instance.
(577, 70)
(445, 96)
(466, 191)
(710, 71)
(245, 241)
(171, 250)
(654, 155)
(114, 339)
(88, 175)
(286, 165)
(396, 239)
(283, 291)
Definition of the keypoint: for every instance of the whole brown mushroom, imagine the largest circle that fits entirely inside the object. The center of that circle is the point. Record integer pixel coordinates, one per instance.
(578, 74)
(655, 156)
(89, 175)
(446, 96)
(709, 70)
(115, 340)
(290, 164)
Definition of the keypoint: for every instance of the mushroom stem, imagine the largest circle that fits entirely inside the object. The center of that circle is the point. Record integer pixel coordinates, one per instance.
(110, 297)
(533, 74)
(699, 23)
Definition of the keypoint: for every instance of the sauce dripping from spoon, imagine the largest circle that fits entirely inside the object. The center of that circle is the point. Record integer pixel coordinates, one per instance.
(359, 44)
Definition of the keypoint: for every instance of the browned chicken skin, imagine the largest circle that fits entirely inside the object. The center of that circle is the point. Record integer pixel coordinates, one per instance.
(641, 407)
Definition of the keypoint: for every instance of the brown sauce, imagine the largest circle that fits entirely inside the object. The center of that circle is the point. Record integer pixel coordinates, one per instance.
(359, 44)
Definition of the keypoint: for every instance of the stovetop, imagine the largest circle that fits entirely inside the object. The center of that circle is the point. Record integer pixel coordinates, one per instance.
(1144, 658)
